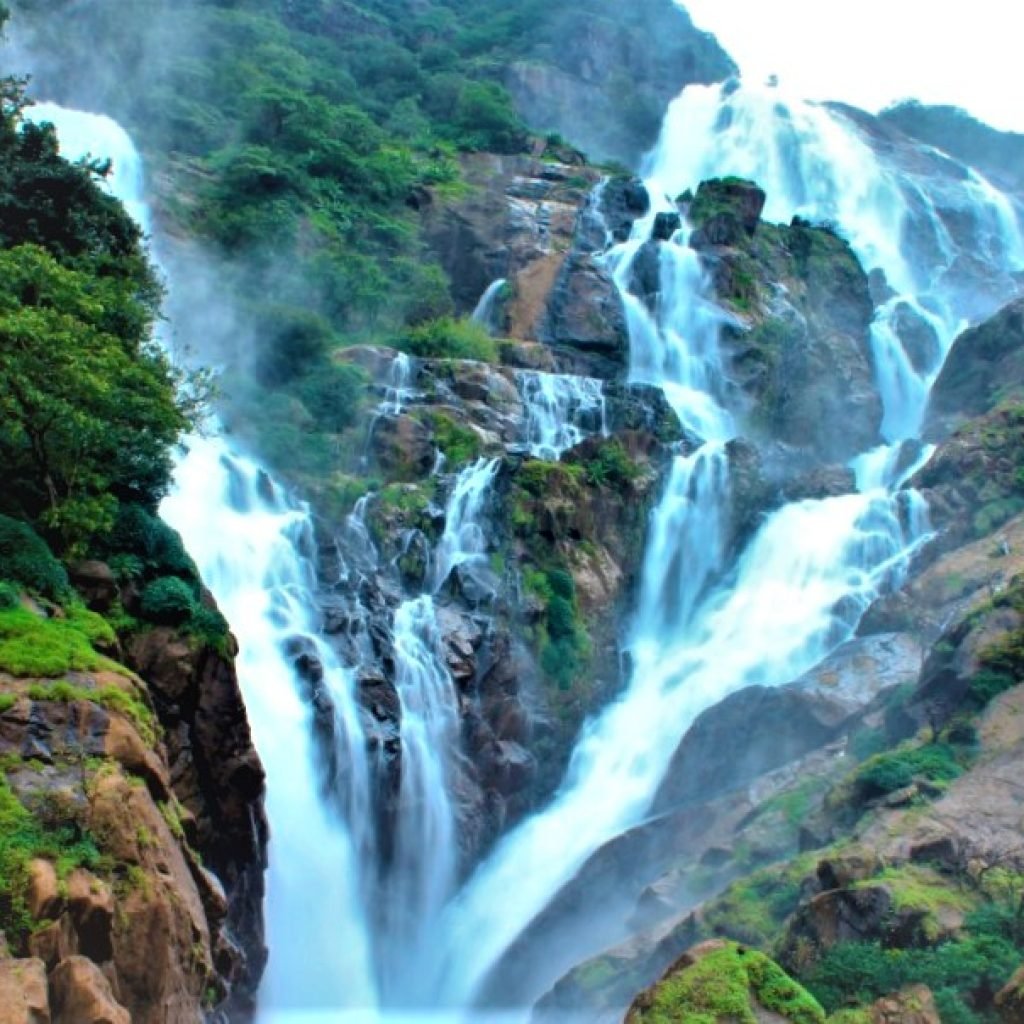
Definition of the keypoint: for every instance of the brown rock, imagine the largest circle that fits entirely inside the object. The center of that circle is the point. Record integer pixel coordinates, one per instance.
(401, 446)
(44, 899)
(23, 996)
(82, 995)
(96, 582)
(1010, 999)
(91, 906)
(54, 942)
(912, 1005)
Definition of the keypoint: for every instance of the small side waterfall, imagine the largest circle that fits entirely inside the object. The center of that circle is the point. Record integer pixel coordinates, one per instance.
(561, 410)
(486, 312)
(422, 875)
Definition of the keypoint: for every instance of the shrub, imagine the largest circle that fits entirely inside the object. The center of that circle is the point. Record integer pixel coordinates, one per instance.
(141, 535)
(459, 444)
(333, 394)
(10, 596)
(886, 773)
(168, 601)
(25, 559)
(448, 338)
(611, 466)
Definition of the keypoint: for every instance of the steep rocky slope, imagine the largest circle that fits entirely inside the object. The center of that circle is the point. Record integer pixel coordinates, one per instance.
(881, 809)
(132, 878)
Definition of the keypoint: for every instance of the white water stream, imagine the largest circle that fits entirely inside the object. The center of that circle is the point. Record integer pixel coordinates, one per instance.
(704, 628)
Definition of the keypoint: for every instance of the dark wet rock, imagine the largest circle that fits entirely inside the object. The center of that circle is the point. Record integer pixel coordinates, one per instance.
(919, 338)
(645, 275)
(665, 226)
(585, 310)
(622, 202)
(798, 348)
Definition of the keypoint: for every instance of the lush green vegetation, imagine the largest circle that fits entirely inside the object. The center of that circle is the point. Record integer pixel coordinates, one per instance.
(448, 338)
(89, 407)
(727, 984)
(963, 973)
(33, 646)
(937, 763)
(25, 836)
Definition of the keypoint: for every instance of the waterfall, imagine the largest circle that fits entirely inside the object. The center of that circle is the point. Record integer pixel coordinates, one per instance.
(346, 933)
(813, 162)
(423, 873)
(561, 410)
(251, 544)
(486, 312)
(397, 392)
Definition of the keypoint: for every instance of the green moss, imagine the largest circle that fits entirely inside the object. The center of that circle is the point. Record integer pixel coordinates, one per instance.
(917, 888)
(753, 909)
(457, 443)
(938, 763)
(725, 985)
(34, 647)
(25, 836)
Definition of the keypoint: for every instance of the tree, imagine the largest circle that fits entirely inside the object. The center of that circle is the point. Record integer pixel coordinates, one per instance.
(89, 411)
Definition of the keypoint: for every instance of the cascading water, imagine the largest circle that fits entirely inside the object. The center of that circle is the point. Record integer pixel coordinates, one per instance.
(813, 162)
(803, 582)
(249, 542)
(707, 624)
(561, 410)
(486, 312)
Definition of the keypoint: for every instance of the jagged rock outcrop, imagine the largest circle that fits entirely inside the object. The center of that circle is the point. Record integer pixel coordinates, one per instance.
(152, 782)
(534, 224)
(985, 367)
(799, 346)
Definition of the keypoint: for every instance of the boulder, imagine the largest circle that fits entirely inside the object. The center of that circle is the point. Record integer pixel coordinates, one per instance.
(585, 310)
(912, 1005)
(761, 728)
(81, 994)
(401, 446)
(96, 582)
(23, 993)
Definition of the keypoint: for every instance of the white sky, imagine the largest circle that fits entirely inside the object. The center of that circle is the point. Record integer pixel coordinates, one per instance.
(871, 52)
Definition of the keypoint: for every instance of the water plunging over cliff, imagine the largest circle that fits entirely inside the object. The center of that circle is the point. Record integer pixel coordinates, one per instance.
(344, 933)
(251, 544)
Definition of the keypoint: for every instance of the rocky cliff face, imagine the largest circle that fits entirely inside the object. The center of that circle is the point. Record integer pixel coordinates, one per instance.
(605, 72)
(132, 808)
(874, 823)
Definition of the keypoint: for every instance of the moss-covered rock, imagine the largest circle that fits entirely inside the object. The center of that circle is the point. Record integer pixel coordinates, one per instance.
(723, 983)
